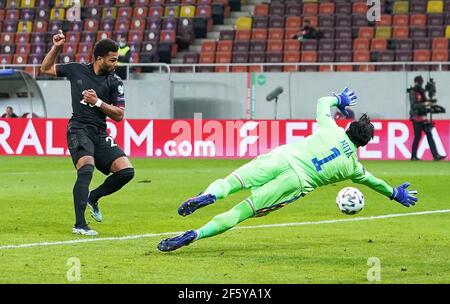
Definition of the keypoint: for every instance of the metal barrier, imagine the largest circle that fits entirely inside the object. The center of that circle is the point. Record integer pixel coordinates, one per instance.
(333, 65)
(134, 68)
(33, 69)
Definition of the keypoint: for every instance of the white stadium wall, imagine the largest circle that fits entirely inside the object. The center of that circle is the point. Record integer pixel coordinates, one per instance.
(240, 96)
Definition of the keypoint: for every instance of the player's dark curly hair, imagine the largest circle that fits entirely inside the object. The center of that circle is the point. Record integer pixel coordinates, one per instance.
(104, 46)
(361, 131)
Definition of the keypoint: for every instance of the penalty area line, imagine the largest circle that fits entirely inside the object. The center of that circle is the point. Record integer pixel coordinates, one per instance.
(149, 235)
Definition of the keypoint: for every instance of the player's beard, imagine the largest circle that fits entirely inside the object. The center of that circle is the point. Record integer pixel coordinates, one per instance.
(107, 70)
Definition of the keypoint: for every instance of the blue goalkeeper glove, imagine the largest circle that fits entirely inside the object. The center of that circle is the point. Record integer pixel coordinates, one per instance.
(345, 98)
(404, 196)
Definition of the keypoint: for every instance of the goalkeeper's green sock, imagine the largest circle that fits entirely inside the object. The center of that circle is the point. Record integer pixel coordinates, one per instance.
(224, 221)
(221, 188)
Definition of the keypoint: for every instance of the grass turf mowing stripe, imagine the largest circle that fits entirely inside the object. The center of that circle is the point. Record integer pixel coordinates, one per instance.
(133, 237)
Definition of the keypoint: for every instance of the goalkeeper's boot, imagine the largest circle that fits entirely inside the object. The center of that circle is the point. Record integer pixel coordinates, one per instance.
(85, 230)
(94, 210)
(195, 203)
(178, 241)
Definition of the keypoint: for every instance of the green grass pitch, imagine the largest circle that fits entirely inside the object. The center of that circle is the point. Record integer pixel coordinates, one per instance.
(36, 207)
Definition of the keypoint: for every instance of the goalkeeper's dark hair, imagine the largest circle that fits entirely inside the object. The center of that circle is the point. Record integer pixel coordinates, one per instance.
(104, 46)
(361, 131)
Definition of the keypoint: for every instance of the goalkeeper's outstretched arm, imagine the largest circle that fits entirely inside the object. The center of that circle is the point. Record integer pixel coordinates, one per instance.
(399, 194)
(374, 183)
(324, 106)
(341, 100)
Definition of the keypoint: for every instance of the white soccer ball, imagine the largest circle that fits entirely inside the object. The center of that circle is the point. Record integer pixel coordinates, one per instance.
(350, 200)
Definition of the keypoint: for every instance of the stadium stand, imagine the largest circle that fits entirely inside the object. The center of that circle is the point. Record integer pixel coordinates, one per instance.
(232, 31)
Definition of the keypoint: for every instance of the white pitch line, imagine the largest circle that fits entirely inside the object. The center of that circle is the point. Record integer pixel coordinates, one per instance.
(133, 237)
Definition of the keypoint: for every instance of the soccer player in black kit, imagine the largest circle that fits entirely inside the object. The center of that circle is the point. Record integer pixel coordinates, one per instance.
(97, 93)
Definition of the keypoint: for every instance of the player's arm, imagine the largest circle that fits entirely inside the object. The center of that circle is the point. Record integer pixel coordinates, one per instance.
(113, 112)
(341, 100)
(399, 194)
(324, 105)
(116, 113)
(48, 65)
(366, 178)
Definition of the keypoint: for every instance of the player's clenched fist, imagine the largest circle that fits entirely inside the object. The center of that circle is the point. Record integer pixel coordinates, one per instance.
(59, 38)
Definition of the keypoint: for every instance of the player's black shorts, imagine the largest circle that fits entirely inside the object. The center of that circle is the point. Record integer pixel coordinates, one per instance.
(91, 141)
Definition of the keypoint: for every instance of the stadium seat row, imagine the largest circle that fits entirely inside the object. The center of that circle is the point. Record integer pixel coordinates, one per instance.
(342, 21)
(326, 45)
(16, 4)
(110, 13)
(340, 33)
(348, 7)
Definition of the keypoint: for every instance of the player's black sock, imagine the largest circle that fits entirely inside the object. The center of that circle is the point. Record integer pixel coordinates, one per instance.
(111, 184)
(80, 193)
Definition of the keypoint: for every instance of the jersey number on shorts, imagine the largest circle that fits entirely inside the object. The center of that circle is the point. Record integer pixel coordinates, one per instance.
(319, 163)
(111, 141)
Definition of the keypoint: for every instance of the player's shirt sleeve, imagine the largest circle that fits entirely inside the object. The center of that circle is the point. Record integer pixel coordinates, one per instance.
(118, 93)
(324, 106)
(65, 70)
(366, 178)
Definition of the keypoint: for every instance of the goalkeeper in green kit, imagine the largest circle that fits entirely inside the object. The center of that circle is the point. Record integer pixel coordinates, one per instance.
(291, 171)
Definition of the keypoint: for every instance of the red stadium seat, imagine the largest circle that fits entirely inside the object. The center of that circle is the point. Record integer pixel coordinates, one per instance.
(70, 48)
(274, 46)
(261, 9)
(137, 24)
(400, 32)
(103, 34)
(326, 8)
(5, 58)
(378, 44)
(359, 8)
(208, 46)
(224, 46)
(366, 32)
(243, 34)
(292, 45)
(207, 57)
(310, 9)
(400, 20)
(23, 48)
(361, 44)
(418, 20)
(422, 55)
(440, 44)
(439, 55)
(125, 12)
(140, 12)
(291, 57)
(385, 20)
(293, 22)
(361, 56)
(239, 69)
(276, 34)
(85, 47)
(20, 59)
(259, 34)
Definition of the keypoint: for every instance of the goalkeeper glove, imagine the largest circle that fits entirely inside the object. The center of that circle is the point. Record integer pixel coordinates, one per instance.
(404, 196)
(345, 98)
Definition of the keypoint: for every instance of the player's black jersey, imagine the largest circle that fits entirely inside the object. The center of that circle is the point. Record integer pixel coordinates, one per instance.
(109, 89)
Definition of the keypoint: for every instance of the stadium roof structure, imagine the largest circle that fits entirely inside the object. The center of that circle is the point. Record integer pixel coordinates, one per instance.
(21, 91)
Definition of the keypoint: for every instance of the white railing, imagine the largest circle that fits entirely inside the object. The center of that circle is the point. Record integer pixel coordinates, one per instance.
(133, 68)
(332, 65)
(33, 69)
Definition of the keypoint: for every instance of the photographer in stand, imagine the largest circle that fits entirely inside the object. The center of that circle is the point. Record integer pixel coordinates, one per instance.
(420, 106)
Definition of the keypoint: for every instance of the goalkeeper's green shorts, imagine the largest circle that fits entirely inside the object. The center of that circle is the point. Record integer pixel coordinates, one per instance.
(272, 181)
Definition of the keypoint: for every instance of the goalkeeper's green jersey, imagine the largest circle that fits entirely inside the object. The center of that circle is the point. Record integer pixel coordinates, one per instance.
(328, 156)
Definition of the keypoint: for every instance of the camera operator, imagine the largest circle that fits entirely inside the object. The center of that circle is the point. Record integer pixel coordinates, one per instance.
(418, 115)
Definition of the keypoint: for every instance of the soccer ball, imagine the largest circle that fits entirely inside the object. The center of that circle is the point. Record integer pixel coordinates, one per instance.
(350, 200)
